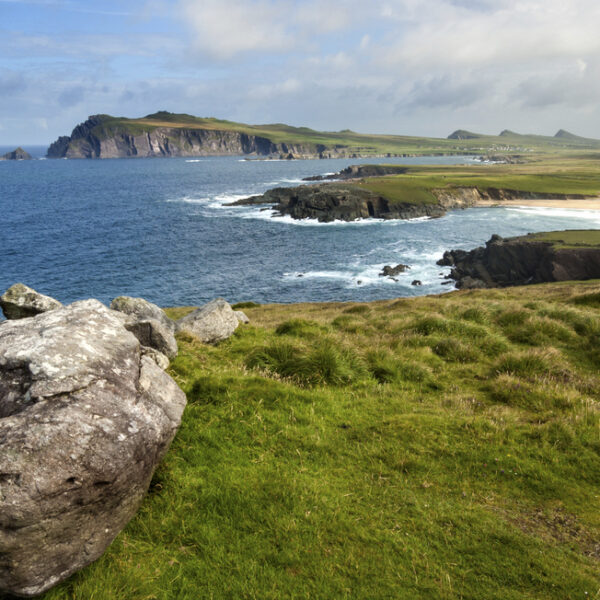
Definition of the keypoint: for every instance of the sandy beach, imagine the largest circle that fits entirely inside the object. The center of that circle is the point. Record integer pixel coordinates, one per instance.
(587, 204)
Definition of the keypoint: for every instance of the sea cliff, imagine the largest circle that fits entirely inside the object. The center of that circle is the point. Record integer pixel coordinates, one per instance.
(101, 137)
(534, 258)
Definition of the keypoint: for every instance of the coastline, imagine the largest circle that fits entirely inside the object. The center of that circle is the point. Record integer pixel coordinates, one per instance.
(582, 204)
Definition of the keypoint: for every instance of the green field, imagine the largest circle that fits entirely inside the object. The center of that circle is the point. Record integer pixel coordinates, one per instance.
(436, 447)
(569, 239)
(357, 143)
(569, 175)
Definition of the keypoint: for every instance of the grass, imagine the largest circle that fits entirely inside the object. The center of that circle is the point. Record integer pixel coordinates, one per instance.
(412, 448)
(573, 238)
(543, 177)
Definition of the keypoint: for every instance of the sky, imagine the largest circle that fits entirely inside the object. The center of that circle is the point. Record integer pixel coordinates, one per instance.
(413, 67)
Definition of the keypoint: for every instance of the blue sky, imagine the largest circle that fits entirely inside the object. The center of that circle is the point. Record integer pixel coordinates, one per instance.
(386, 66)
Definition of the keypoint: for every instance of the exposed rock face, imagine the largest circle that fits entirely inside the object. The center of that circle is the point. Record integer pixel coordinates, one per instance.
(99, 137)
(84, 420)
(20, 301)
(520, 261)
(142, 309)
(338, 202)
(18, 154)
(389, 271)
(211, 323)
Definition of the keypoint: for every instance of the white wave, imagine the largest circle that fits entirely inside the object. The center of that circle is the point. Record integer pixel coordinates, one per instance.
(189, 200)
(195, 160)
(579, 213)
(280, 181)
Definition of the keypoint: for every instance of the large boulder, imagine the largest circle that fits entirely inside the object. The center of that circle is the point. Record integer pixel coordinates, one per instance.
(142, 310)
(84, 420)
(20, 301)
(211, 323)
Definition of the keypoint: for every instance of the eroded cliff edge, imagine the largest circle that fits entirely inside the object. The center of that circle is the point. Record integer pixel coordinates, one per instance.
(534, 258)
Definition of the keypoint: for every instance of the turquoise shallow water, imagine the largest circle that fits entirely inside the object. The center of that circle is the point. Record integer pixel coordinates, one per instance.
(158, 228)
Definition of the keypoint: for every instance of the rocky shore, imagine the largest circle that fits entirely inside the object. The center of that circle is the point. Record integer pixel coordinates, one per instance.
(504, 262)
(337, 202)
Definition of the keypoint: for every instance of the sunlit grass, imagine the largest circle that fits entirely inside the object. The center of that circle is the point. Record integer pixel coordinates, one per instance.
(413, 448)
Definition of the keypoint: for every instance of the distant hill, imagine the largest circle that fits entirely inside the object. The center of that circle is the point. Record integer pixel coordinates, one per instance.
(567, 135)
(463, 134)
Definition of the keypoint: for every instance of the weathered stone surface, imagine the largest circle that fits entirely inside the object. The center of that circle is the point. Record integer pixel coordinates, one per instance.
(211, 323)
(241, 316)
(142, 310)
(20, 301)
(151, 332)
(158, 357)
(84, 420)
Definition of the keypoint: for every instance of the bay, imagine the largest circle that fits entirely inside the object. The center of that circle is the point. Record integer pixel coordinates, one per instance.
(159, 228)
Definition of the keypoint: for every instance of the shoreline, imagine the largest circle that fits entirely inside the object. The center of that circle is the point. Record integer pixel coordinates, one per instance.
(582, 204)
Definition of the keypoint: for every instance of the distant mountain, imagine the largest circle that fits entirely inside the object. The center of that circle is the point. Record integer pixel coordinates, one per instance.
(567, 135)
(507, 132)
(463, 134)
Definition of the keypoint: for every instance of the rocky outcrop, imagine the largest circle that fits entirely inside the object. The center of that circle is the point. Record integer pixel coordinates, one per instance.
(20, 301)
(85, 417)
(211, 323)
(102, 136)
(360, 171)
(338, 202)
(17, 154)
(142, 310)
(520, 261)
(389, 271)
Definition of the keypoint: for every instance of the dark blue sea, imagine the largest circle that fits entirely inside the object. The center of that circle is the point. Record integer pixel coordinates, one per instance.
(159, 228)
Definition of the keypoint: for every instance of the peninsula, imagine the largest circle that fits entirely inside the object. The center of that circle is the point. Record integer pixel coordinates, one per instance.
(164, 134)
(407, 192)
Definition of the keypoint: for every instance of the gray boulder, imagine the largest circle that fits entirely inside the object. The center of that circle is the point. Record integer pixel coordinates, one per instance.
(142, 309)
(84, 420)
(154, 334)
(241, 316)
(20, 301)
(211, 323)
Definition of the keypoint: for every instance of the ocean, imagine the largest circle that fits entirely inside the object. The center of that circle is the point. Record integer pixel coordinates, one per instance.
(160, 229)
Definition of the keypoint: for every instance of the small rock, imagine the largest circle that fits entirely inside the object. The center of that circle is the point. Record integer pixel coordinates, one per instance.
(241, 316)
(20, 302)
(416, 282)
(389, 271)
(211, 323)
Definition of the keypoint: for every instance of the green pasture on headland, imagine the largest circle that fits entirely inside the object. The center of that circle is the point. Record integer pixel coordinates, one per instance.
(570, 176)
(435, 447)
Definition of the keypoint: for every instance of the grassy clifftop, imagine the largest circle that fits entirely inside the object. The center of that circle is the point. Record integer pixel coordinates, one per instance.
(436, 447)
